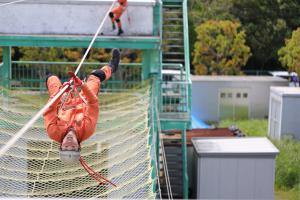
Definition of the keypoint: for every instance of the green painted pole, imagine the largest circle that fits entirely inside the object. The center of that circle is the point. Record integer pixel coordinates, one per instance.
(184, 165)
(146, 64)
(151, 64)
(6, 67)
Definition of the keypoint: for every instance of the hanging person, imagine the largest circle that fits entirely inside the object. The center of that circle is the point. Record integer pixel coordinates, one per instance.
(72, 118)
(116, 14)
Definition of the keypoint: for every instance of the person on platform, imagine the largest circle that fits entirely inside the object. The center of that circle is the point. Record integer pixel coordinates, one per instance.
(72, 118)
(116, 14)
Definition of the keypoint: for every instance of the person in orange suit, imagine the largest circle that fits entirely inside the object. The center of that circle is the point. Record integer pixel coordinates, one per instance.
(115, 15)
(72, 119)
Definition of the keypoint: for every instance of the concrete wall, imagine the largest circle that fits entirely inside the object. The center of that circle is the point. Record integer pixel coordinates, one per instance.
(205, 94)
(73, 17)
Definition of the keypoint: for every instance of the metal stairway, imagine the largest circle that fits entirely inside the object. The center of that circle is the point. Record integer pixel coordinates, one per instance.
(173, 41)
(175, 92)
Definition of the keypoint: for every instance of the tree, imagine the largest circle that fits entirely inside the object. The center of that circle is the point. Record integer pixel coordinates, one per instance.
(267, 23)
(289, 55)
(220, 48)
(265, 29)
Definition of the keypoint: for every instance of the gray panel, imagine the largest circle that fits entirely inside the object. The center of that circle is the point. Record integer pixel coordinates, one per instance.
(290, 117)
(245, 180)
(264, 178)
(228, 178)
(209, 178)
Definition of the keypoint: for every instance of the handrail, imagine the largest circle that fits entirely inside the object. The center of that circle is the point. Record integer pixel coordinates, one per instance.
(186, 39)
(70, 63)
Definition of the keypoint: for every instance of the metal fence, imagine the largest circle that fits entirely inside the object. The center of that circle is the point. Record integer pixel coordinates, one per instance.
(31, 74)
(174, 90)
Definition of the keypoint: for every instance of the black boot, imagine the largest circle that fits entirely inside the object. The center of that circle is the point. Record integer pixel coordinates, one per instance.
(115, 60)
(120, 31)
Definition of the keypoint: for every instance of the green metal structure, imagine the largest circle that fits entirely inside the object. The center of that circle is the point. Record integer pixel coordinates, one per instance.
(165, 59)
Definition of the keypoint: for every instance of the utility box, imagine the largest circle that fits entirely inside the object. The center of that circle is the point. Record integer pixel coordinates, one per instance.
(234, 168)
(284, 112)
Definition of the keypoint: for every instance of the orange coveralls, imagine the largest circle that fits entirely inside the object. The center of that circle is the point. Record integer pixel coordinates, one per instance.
(76, 114)
(118, 11)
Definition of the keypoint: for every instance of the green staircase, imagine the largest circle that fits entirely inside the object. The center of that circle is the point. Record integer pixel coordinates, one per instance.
(173, 41)
(175, 102)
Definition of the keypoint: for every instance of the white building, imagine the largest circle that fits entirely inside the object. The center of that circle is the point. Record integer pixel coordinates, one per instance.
(284, 112)
(236, 97)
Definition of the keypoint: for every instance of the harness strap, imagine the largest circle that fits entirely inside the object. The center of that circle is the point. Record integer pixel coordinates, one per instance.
(73, 106)
(94, 174)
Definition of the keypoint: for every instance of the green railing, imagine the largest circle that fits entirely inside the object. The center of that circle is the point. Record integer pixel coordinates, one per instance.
(174, 91)
(31, 75)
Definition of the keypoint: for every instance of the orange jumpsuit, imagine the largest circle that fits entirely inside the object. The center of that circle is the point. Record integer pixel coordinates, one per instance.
(76, 114)
(118, 11)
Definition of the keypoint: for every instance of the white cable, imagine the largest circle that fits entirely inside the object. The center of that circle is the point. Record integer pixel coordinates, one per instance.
(154, 139)
(165, 165)
(6, 4)
(93, 40)
(33, 120)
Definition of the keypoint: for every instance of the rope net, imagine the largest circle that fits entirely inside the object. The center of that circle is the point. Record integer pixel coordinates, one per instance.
(118, 150)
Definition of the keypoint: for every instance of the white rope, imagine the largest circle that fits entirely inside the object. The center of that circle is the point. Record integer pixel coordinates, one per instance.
(94, 38)
(6, 4)
(154, 139)
(33, 120)
(165, 164)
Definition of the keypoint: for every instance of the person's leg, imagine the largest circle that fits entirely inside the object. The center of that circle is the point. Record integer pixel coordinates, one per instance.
(99, 75)
(114, 14)
(111, 15)
(118, 11)
(120, 30)
(53, 85)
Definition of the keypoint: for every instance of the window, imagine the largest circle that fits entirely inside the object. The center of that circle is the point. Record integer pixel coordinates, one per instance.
(238, 95)
(245, 95)
(223, 95)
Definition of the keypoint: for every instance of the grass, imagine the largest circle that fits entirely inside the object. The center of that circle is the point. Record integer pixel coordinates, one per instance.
(287, 178)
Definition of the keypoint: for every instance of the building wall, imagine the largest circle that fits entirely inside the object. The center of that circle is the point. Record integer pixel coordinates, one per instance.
(290, 117)
(81, 17)
(205, 95)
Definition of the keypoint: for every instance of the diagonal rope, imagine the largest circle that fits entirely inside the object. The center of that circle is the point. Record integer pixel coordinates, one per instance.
(33, 120)
(6, 4)
(165, 164)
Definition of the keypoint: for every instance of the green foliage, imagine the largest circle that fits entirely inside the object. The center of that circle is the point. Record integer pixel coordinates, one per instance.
(289, 55)
(288, 164)
(265, 27)
(287, 178)
(72, 54)
(253, 127)
(267, 23)
(220, 48)
(204, 10)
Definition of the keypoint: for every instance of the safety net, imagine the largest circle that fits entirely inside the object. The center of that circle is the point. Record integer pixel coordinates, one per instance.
(119, 150)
